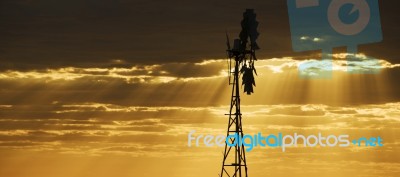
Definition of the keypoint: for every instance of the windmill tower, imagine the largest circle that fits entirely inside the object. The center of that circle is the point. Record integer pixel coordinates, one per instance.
(241, 57)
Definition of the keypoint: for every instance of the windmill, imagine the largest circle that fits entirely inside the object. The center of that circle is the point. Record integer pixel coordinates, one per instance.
(242, 57)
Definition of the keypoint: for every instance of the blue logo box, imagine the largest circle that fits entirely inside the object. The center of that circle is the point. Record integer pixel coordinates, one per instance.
(325, 24)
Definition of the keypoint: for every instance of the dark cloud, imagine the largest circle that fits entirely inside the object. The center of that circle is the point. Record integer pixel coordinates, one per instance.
(87, 33)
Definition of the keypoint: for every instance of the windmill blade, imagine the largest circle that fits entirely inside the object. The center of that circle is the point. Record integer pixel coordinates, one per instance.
(253, 55)
(228, 44)
(249, 29)
(254, 68)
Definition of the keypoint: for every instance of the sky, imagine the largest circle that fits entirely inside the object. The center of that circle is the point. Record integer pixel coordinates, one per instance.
(112, 88)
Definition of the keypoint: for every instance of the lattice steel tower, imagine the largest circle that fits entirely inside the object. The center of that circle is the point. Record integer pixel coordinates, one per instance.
(242, 56)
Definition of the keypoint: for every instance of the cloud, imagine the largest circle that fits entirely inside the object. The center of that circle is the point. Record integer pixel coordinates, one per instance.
(312, 67)
(110, 88)
(308, 38)
(61, 109)
(161, 73)
(84, 34)
(169, 72)
(140, 133)
(142, 125)
(195, 84)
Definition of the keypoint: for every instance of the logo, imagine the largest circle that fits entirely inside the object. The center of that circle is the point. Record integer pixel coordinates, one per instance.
(281, 141)
(325, 24)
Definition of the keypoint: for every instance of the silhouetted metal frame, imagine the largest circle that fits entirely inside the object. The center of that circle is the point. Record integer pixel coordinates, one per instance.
(241, 56)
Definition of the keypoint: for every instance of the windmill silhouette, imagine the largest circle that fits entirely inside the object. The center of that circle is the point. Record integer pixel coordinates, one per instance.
(241, 57)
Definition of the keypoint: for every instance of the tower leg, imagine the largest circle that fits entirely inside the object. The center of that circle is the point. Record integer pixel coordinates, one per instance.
(234, 162)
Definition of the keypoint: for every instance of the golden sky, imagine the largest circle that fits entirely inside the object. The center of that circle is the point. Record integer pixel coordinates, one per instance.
(134, 121)
(101, 88)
